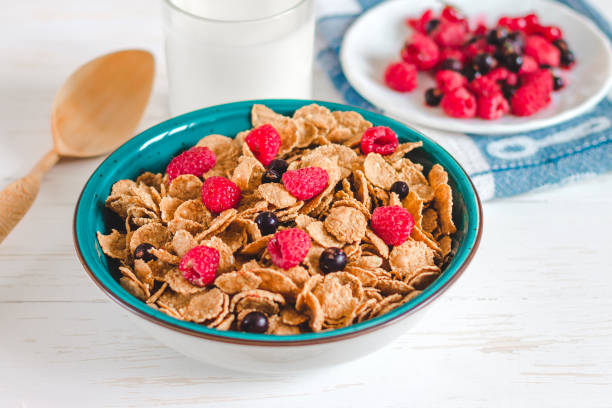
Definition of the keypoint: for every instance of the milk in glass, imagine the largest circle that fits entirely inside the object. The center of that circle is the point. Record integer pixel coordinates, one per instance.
(222, 51)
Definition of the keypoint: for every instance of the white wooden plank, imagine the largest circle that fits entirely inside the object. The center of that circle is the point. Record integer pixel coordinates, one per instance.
(529, 323)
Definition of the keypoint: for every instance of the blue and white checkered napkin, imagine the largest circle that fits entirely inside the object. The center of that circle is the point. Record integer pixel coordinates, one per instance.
(500, 166)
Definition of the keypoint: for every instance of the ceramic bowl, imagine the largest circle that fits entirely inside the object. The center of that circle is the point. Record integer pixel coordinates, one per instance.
(152, 149)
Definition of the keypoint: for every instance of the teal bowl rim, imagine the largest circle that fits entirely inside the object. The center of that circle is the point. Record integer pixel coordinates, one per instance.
(465, 252)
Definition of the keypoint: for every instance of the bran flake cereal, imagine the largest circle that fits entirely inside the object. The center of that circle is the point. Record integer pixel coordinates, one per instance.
(372, 277)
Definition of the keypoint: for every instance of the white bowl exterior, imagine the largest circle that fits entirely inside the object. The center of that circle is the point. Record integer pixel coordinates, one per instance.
(278, 359)
(366, 52)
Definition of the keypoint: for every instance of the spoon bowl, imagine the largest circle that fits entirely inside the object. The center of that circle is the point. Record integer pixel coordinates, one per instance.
(94, 112)
(100, 105)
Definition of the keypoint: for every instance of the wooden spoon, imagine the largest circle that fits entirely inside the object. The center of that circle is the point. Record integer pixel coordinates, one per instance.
(95, 110)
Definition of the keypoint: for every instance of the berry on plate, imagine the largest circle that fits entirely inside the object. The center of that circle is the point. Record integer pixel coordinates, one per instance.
(529, 65)
(492, 106)
(451, 64)
(421, 51)
(450, 34)
(542, 51)
(422, 24)
(541, 78)
(484, 86)
(451, 53)
(401, 76)
(459, 103)
(448, 80)
(529, 99)
(498, 74)
(433, 97)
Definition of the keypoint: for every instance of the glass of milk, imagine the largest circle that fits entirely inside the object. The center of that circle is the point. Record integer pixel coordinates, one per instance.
(222, 51)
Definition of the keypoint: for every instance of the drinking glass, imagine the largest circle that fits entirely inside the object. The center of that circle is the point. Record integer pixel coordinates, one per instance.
(222, 51)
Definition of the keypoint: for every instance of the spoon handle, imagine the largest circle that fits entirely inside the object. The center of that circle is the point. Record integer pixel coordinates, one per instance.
(17, 198)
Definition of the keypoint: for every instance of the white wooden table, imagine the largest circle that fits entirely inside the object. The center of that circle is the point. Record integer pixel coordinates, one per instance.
(529, 324)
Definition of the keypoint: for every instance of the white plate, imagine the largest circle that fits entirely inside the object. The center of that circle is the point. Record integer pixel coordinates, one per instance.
(375, 39)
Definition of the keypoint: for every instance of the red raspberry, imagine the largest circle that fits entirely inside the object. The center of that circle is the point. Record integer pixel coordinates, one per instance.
(393, 224)
(401, 76)
(220, 194)
(264, 142)
(529, 99)
(421, 51)
(305, 183)
(448, 80)
(541, 78)
(498, 74)
(199, 265)
(459, 104)
(484, 86)
(533, 29)
(196, 161)
(449, 34)
(379, 139)
(481, 29)
(492, 106)
(552, 33)
(475, 48)
(504, 21)
(451, 53)
(420, 24)
(542, 51)
(289, 247)
(518, 23)
(532, 20)
(512, 79)
(529, 65)
(449, 13)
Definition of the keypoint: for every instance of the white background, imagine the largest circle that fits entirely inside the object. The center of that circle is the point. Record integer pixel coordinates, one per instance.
(528, 324)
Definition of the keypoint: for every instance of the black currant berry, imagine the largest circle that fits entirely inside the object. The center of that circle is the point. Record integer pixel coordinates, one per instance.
(561, 45)
(451, 64)
(508, 90)
(267, 223)
(471, 72)
(279, 166)
(432, 25)
(485, 62)
(513, 62)
(497, 35)
(567, 59)
(142, 252)
(270, 176)
(332, 260)
(400, 188)
(254, 322)
(433, 97)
